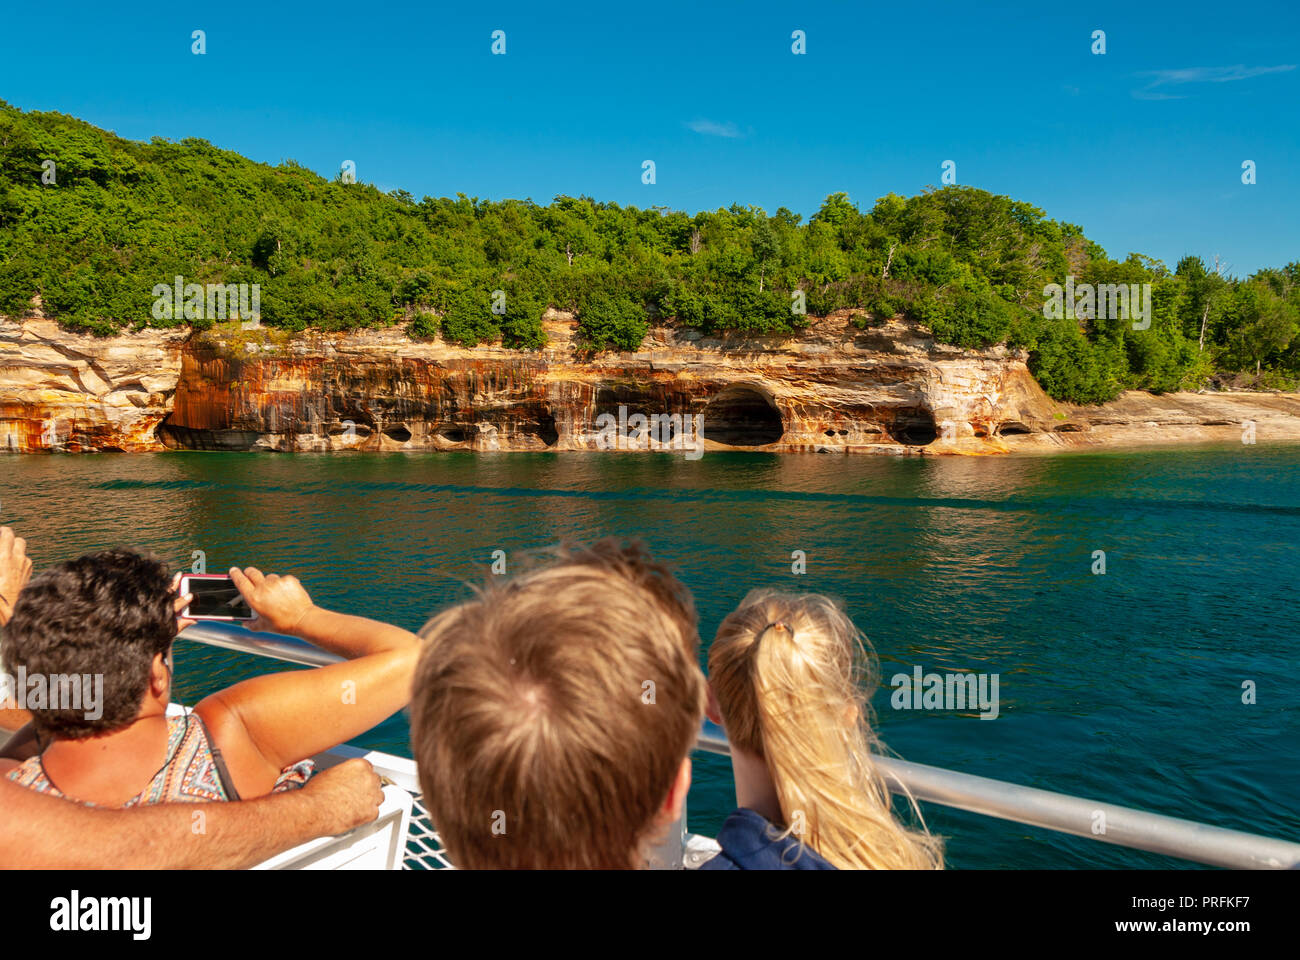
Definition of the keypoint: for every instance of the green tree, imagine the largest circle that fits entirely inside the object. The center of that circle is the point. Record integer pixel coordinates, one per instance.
(763, 241)
(126, 216)
(612, 322)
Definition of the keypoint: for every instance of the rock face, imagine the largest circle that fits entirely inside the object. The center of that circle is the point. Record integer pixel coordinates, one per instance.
(833, 388)
(69, 391)
(1141, 419)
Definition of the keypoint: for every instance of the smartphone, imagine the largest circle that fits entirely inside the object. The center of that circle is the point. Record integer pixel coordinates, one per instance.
(215, 598)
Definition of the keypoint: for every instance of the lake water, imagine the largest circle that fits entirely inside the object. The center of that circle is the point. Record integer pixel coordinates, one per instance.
(1125, 687)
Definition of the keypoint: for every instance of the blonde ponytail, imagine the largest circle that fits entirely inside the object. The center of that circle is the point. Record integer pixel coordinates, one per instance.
(793, 678)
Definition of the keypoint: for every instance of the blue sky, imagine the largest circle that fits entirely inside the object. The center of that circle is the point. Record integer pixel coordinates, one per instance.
(1142, 146)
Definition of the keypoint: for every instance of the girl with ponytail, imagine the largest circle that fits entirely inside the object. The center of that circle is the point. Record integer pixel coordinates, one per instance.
(790, 679)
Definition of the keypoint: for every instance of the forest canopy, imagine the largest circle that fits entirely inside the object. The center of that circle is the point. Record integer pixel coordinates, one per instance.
(121, 217)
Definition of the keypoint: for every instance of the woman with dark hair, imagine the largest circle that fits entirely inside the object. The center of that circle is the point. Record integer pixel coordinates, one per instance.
(99, 630)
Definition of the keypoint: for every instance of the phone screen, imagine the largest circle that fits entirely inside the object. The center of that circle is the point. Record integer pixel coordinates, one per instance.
(217, 598)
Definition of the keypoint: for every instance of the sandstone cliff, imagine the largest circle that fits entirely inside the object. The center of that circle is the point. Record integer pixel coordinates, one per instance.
(68, 391)
(834, 388)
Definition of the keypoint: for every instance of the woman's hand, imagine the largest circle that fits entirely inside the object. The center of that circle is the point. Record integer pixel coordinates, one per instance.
(280, 603)
(15, 571)
(181, 603)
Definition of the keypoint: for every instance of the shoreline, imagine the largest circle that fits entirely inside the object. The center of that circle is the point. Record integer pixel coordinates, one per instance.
(1015, 451)
(834, 388)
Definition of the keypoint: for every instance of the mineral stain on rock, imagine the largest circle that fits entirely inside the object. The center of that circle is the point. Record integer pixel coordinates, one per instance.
(831, 388)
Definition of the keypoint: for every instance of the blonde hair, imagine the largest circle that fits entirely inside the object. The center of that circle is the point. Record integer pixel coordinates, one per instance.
(793, 678)
(550, 715)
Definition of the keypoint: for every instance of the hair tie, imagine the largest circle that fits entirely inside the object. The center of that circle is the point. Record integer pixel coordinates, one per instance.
(774, 625)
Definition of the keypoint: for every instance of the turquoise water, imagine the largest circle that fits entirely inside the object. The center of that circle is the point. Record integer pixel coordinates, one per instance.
(1124, 687)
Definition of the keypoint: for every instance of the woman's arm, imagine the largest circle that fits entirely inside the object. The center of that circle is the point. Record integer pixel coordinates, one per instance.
(283, 606)
(43, 831)
(15, 571)
(266, 723)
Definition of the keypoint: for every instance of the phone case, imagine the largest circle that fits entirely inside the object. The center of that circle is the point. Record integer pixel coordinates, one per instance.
(182, 590)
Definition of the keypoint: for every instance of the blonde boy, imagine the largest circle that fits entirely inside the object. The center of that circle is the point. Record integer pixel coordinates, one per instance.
(553, 716)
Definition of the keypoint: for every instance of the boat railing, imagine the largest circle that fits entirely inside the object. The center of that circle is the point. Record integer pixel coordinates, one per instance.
(1031, 806)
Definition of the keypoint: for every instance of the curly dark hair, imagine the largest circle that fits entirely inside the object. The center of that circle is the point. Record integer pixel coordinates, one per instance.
(106, 613)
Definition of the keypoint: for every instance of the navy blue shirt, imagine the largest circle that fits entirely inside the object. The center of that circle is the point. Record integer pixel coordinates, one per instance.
(748, 843)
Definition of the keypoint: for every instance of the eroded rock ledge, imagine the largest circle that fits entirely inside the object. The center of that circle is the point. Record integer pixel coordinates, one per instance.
(833, 388)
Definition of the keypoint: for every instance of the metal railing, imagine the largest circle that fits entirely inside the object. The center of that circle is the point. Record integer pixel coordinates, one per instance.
(1122, 826)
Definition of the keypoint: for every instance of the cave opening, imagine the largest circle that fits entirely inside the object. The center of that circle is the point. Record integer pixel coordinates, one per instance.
(1011, 427)
(915, 427)
(547, 431)
(453, 433)
(167, 434)
(398, 432)
(742, 416)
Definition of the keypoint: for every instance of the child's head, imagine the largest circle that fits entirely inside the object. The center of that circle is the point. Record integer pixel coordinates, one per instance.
(793, 679)
(553, 715)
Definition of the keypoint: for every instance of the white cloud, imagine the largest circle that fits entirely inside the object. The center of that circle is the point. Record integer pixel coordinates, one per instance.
(1186, 75)
(712, 129)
